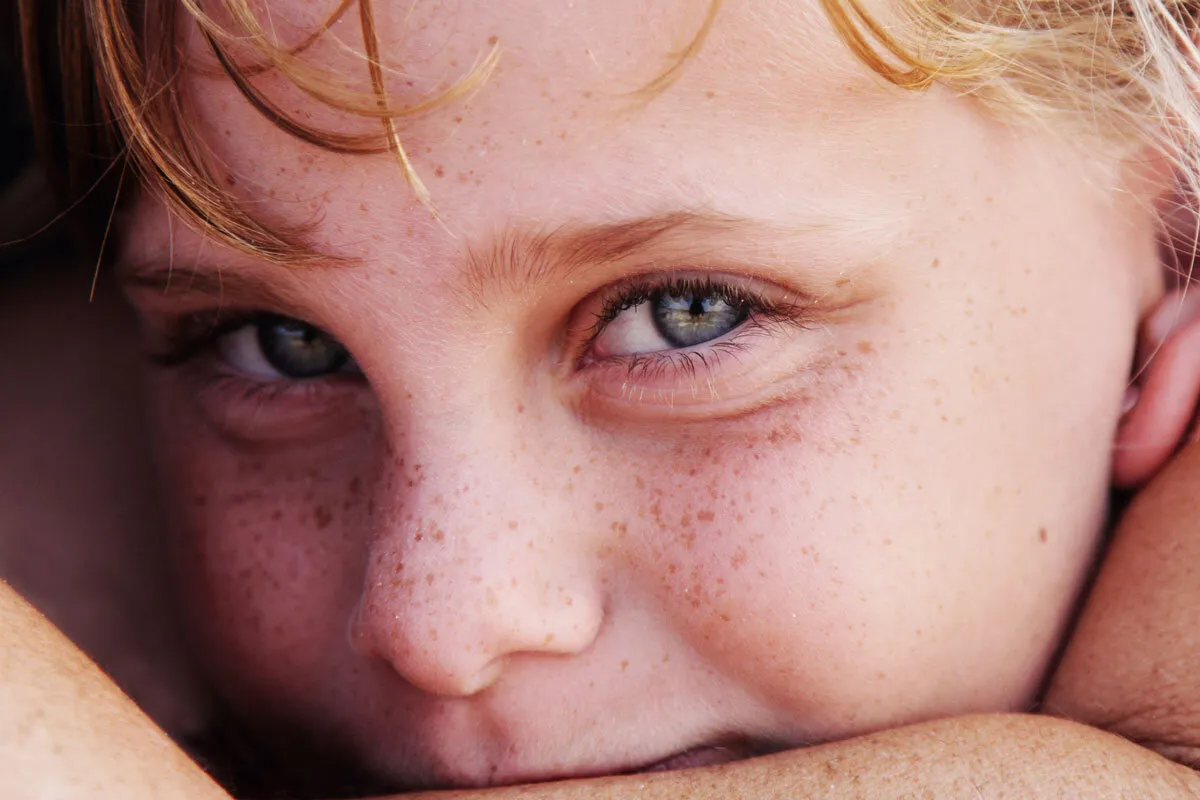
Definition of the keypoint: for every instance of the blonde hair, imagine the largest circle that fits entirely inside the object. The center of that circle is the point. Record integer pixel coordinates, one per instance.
(1124, 70)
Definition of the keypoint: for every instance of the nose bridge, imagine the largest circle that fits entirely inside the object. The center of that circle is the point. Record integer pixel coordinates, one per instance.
(472, 563)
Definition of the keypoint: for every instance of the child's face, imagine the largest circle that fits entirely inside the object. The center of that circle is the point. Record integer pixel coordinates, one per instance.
(773, 411)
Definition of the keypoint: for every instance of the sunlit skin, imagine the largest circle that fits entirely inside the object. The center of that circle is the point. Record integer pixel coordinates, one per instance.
(496, 546)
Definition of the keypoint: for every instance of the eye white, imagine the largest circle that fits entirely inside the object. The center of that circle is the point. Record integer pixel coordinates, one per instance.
(631, 333)
(240, 349)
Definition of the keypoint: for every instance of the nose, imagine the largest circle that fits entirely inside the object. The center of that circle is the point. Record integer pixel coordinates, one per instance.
(478, 563)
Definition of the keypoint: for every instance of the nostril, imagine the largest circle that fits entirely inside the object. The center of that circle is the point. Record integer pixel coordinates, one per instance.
(455, 638)
(437, 663)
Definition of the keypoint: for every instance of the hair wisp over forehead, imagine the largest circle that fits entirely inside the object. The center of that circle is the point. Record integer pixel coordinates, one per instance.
(1124, 70)
(137, 64)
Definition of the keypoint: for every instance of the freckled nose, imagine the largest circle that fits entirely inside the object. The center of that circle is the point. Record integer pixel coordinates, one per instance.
(456, 592)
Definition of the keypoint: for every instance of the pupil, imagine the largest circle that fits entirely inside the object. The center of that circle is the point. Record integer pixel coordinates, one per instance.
(299, 350)
(689, 319)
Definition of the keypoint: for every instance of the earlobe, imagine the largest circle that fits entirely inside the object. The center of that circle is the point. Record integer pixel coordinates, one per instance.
(1162, 401)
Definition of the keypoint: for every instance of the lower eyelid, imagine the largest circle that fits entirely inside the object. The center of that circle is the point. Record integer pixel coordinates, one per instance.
(765, 361)
(754, 326)
(264, 411)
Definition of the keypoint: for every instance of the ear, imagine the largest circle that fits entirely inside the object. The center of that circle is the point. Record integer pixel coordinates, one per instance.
(1161, 403)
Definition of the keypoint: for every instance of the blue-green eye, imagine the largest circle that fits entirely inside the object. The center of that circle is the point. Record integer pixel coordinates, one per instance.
(273, 346)
(693, 318)
(298, 350)
(681, 314)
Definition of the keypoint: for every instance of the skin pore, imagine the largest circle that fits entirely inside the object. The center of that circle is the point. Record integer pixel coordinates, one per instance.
(512, 538)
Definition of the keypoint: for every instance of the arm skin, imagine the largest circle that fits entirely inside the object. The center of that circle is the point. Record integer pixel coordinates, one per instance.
(67, 732)
(988, 756)
(1133, 665)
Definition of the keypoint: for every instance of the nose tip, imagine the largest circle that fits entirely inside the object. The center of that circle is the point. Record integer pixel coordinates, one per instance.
(452, 630)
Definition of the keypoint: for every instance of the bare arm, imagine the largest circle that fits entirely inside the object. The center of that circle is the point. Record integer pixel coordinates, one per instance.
(1133, 666)
(67, 732)
(992, 756)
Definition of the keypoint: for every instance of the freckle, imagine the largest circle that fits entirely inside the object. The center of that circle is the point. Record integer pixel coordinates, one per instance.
(575, 469)
(865, 347)
(520, 408)
(937, 262)
(439, 171)
(710, 94)
(323, 517)
(1043, 535)
(599, 506)
(705, 516)
(491, 40)
(624, 665)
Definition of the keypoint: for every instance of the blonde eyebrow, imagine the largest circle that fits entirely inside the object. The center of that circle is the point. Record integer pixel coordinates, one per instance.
(217, 282)
(520, 257)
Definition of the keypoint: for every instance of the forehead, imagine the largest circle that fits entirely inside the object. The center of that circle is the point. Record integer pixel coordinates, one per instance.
(567, 85)
(772, 119)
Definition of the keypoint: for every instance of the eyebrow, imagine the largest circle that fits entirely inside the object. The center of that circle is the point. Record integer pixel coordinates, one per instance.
(523, 257)
(518, 257)
(218, 282)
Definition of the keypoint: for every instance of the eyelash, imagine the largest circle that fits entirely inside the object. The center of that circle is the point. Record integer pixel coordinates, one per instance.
(190, 336)
(765, 315)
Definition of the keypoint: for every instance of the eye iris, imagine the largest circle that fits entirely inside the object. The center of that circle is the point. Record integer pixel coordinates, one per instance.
(298, 350)
(689, 319)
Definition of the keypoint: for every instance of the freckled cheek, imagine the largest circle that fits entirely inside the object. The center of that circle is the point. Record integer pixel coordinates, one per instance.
(708, 537)
(269, 553)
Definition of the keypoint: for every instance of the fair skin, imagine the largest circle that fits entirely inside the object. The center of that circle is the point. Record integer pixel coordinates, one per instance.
(497, 550)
